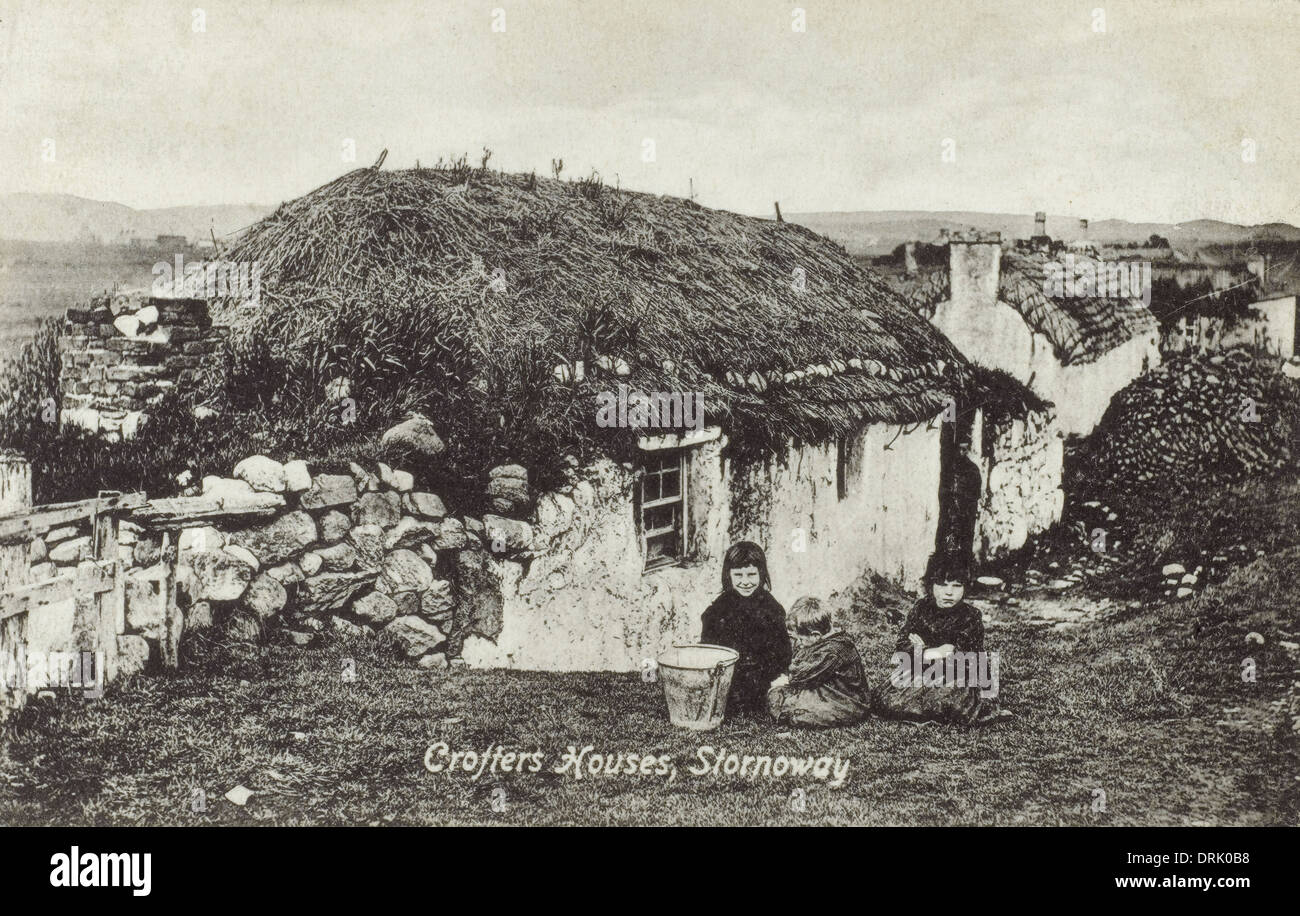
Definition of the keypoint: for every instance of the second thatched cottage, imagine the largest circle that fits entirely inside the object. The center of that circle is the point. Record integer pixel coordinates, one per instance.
(1020, 311)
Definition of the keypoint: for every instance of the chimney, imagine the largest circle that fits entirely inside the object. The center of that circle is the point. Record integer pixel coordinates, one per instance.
(974, 267)
(1040, 223)
(909, 258)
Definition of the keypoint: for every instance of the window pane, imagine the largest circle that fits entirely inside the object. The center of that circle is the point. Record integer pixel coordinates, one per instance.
(661, 547)
(661, 517)
(650, 487)
(672, 482)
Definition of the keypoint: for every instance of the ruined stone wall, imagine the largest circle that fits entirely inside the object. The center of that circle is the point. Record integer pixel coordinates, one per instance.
(122, 353)
(1021, 462)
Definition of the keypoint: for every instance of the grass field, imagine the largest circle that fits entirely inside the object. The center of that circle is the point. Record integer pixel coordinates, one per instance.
(1149, 708)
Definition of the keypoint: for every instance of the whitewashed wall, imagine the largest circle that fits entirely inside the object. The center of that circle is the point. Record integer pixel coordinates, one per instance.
(585, 602)
(995, 335)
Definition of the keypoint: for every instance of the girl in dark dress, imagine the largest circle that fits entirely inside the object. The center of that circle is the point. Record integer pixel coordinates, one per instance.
(746, 617)
(941, 625)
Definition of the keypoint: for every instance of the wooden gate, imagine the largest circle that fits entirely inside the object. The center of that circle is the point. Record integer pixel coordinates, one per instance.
(96, 588)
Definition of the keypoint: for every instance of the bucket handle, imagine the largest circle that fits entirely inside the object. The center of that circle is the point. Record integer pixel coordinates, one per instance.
(715, 679)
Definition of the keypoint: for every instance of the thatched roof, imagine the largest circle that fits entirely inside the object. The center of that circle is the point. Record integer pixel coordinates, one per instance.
(657, 292)
(1080, 329)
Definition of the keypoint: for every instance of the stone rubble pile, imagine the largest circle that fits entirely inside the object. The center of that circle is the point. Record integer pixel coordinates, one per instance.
(1194, 421)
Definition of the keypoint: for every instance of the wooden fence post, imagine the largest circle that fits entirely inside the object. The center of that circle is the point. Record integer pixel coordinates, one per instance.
(173, 620)
(15, 571)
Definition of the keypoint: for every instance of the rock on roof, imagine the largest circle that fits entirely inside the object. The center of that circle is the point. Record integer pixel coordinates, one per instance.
(774, 324)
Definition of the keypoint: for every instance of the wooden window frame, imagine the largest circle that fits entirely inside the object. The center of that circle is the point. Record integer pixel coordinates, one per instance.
(682, 500)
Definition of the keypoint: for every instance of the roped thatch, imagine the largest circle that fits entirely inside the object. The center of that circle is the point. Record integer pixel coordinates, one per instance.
(776, 326)
(1081, 329)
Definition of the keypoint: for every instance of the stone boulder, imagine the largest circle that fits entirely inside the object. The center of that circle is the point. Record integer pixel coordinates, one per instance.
(226, 488)
(337, 557)
(242, 626)
(414, 637)
(375, 607)
(285, 573)
(367, 482)
(146, 552)
(265, 597)
(244, 555)
(198, 617)
(425, 505)
(401, 481)
(478, 595)
(369, 542)
(437, 601)
(205, 538)
(334, 526)
(410, 532)
(506, 535)
(408, 603)
(146, 603)
(329, 490)
(68, 551)
(451, 535)
(263, 474)
(331, 592)
(297, 479)
(415, 437)
(298, 638)
(382, 509)
(217, 576)
(349, 630)
(279, 538)
(404, 571)
(508, 489)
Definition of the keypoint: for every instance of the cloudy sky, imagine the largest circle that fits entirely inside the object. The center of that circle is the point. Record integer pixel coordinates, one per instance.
(1144, 120)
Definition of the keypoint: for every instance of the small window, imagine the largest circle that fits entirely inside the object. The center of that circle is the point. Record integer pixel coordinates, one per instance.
(663, 508)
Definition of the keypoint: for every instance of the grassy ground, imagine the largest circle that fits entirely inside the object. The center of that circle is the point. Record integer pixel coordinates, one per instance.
(1149, 708)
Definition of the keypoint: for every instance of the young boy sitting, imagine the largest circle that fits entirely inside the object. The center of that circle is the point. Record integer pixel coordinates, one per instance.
(826, 685)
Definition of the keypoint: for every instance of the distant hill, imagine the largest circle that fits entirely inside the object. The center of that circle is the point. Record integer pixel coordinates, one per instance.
(66, 218)
(879, 232)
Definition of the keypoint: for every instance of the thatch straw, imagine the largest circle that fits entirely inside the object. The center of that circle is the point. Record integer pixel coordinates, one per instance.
(666, 295)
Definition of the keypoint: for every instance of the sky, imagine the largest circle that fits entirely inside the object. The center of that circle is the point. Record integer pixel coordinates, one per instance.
(1147, 111)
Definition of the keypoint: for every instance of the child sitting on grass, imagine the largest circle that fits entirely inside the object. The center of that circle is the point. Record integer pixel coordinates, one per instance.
(826, 686)
(746, 617)
(941, 630)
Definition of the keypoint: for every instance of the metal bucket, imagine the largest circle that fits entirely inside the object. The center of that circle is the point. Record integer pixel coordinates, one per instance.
(697, 679)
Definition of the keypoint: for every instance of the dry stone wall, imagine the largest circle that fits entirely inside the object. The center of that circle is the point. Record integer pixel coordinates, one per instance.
(291, 556)
(359, 553)
(122, 353)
